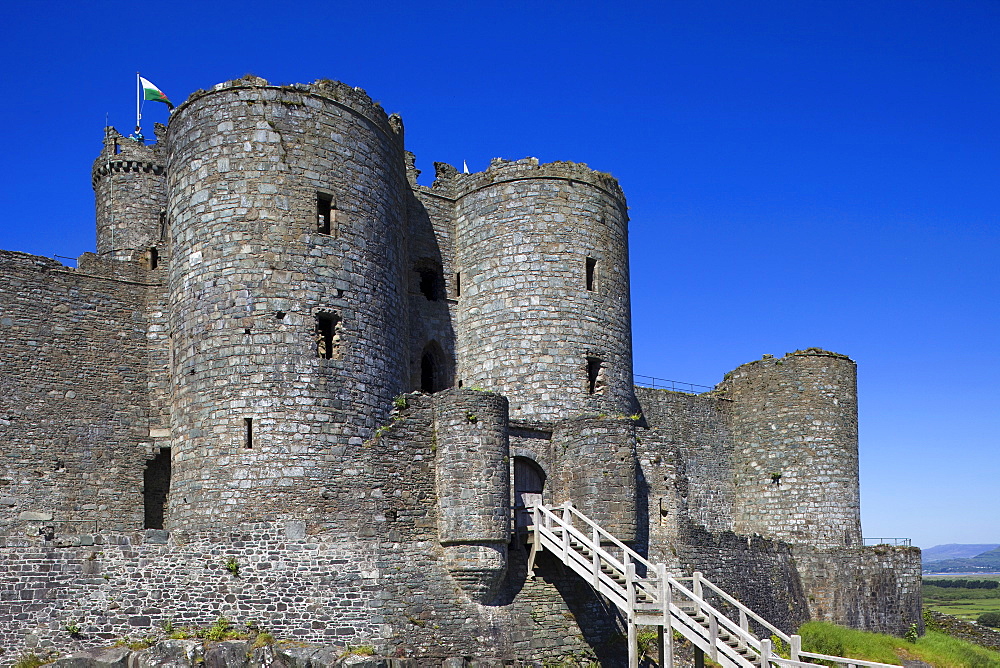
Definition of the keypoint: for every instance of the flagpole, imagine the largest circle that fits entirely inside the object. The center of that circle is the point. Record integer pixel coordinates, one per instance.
(138, 94)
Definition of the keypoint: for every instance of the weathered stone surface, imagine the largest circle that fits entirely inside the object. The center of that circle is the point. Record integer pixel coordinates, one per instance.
(113, 657)
(168, 654)
(228, 654)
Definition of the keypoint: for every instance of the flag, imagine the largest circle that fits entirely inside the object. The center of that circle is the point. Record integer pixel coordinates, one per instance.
(151, 92)
(465, 167)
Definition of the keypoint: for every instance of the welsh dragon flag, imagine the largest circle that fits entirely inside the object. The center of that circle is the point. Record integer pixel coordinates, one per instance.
(151, 92)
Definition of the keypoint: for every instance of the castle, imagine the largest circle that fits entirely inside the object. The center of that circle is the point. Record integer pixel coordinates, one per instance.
(296, 387)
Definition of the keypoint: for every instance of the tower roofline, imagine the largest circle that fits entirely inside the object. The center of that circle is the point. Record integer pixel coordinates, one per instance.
(351, 98)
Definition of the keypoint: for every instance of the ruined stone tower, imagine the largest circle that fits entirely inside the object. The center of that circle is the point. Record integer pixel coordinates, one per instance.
(295, 386)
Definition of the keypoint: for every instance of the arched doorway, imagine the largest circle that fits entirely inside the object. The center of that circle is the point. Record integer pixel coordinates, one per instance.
(433, 375)
(529, 480)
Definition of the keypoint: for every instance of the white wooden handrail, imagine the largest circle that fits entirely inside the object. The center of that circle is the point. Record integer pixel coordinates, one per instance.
(657, 599)
(748, 612)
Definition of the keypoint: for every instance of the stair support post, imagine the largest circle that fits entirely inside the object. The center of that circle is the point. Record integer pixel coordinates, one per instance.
(745, 625)
(796, 647)
(696, 588)
(630, 588)
(597, 559)
(536, 528)
(666, 633)
(765, 653)
(633, 646)
(567, 519)
(713, 631)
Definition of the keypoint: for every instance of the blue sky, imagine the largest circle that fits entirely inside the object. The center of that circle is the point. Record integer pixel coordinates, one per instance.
(800, 173)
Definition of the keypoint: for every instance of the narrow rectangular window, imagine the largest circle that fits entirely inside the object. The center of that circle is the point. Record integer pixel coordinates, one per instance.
(458, 284)
(324, 213)
(154, 258)
(591, 273)
(594, 381)
(248, 436)
(327, 335)
(118, 148)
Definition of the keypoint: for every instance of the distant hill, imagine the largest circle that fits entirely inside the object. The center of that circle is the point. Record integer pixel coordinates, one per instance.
(955, 551)
(985, 562)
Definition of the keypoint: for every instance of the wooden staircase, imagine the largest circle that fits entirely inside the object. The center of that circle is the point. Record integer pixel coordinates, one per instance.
(650, 597)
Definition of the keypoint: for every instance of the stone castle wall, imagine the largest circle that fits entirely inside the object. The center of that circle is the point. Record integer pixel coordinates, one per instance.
(74, 400)
(257, 405)
(270, 279)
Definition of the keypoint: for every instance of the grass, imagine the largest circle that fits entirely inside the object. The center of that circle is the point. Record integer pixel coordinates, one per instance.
(31, 660)
(936, 648)
(966, 604)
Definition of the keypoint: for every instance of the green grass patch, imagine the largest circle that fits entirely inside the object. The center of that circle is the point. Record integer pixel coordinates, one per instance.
(936, 648)
(964, 603)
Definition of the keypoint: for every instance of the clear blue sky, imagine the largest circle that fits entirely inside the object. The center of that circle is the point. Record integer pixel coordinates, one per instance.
(800, 173)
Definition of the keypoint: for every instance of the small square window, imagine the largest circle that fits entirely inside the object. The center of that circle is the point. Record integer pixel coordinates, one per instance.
(324, 213)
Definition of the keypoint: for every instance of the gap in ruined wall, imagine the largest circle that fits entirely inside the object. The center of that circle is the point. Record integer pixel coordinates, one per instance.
(156, 486)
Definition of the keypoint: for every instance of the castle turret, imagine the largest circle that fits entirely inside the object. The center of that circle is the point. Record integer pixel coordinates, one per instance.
(795, 464)
(473, 488)
(130, 191)
(543, 316)
(286, 212)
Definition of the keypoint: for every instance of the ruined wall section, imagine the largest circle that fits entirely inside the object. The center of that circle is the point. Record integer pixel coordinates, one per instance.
(875, 588)
(685, 451)
(279, 324)
(794, 423)
(74, 403)
(130, 193)
(543, 253)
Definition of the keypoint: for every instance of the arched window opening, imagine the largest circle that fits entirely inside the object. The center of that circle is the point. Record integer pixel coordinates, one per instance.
(529, 481)
(155, 487)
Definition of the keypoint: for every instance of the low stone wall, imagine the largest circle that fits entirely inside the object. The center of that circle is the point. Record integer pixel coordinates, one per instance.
(118, 586)
(873, 588)
(953, 626)
(760, 573)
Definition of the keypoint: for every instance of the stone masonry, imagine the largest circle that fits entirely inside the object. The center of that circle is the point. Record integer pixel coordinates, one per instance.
(289, 357)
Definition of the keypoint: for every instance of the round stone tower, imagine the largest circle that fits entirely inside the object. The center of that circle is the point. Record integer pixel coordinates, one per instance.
(795, 464)
(286, 215)
(130, 191)
(543, 316)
